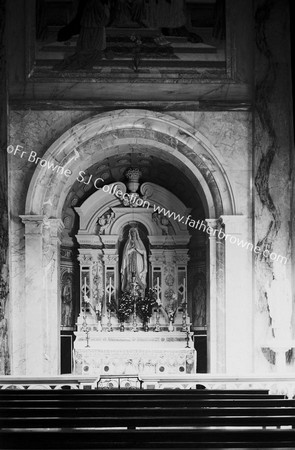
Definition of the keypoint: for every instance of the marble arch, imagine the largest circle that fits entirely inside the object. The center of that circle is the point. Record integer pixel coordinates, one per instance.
(90, 142)
(97, 137)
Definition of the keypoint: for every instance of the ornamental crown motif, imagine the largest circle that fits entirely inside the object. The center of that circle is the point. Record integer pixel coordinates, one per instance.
(133, 174)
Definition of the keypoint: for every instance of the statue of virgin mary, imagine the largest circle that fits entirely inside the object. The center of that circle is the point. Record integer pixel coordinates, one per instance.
(134, 262)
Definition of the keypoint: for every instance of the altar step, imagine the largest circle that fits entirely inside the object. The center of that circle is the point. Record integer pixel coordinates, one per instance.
(62, 49)
(120, 47)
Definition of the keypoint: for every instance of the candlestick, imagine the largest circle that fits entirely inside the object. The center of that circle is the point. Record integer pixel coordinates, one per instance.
(86, 329)
(109, 324)
(110, 289)
(184, 290)
(184, 325)
(134, 324)
(187, 338)
(157, 327)
(158, 291)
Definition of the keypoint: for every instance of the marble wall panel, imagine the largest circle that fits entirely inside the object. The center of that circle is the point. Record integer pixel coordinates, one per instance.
(272, 179)
(230, 132)
(4, 272)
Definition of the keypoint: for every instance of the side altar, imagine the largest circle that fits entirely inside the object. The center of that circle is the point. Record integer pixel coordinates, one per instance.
(134, 316)
(101, 350)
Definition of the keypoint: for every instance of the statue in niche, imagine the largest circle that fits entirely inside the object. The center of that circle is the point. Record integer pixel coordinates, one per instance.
(199, 304)
(67, 303)
(134, 262)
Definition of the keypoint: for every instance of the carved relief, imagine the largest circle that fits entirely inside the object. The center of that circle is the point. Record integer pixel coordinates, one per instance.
(66, 253)
(105, 220)
(169, 280)
(161, 222)
(97, 278)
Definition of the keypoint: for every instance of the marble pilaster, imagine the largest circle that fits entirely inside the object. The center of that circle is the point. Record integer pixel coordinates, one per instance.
(273, 173)
(34, 294)
(52, 294)
(42, 292)
(212, 296)
(238, 296)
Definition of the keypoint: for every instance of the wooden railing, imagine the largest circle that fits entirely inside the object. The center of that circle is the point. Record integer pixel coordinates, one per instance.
(276, 384)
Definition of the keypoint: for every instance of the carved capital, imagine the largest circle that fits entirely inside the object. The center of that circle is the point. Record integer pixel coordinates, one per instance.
(212, 223)
(85, 260)
(34, 224)
(234, 224)
(111, 259)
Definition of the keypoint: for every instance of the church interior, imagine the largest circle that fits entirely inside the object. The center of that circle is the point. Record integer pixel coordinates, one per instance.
(147, 196)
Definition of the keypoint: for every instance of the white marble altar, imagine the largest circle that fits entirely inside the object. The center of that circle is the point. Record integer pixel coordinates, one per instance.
(131, 352)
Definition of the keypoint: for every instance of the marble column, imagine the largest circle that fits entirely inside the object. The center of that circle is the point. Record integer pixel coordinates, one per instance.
(52, 313)
(238, 296)
(34, 294)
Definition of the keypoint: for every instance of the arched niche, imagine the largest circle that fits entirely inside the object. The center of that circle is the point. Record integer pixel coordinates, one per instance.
(90, 142)
(103, 219)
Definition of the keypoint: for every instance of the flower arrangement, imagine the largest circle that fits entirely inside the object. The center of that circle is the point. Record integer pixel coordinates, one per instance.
(145, 305)
(125, 308)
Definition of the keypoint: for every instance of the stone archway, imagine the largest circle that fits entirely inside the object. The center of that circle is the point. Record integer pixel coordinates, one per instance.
(89, 142)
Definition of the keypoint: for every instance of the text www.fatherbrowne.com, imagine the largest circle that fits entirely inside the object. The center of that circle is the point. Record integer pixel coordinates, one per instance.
(190, 222)
(137, 201)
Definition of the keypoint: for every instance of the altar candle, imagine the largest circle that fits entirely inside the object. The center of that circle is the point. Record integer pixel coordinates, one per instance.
(184, 291)
(85, 295)
(110, 289)
(158, 289)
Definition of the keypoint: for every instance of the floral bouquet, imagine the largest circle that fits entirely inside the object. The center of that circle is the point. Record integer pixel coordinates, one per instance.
(145, 305)
(125, 308)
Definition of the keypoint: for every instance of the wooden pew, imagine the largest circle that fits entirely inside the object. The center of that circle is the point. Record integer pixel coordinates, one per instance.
(150, 418)
(128, 392)
(147, 439)
(134, 394)
(117, 403)
(93, 417)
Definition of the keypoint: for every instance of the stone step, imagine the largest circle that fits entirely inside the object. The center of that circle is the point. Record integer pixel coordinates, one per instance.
(126, 47)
